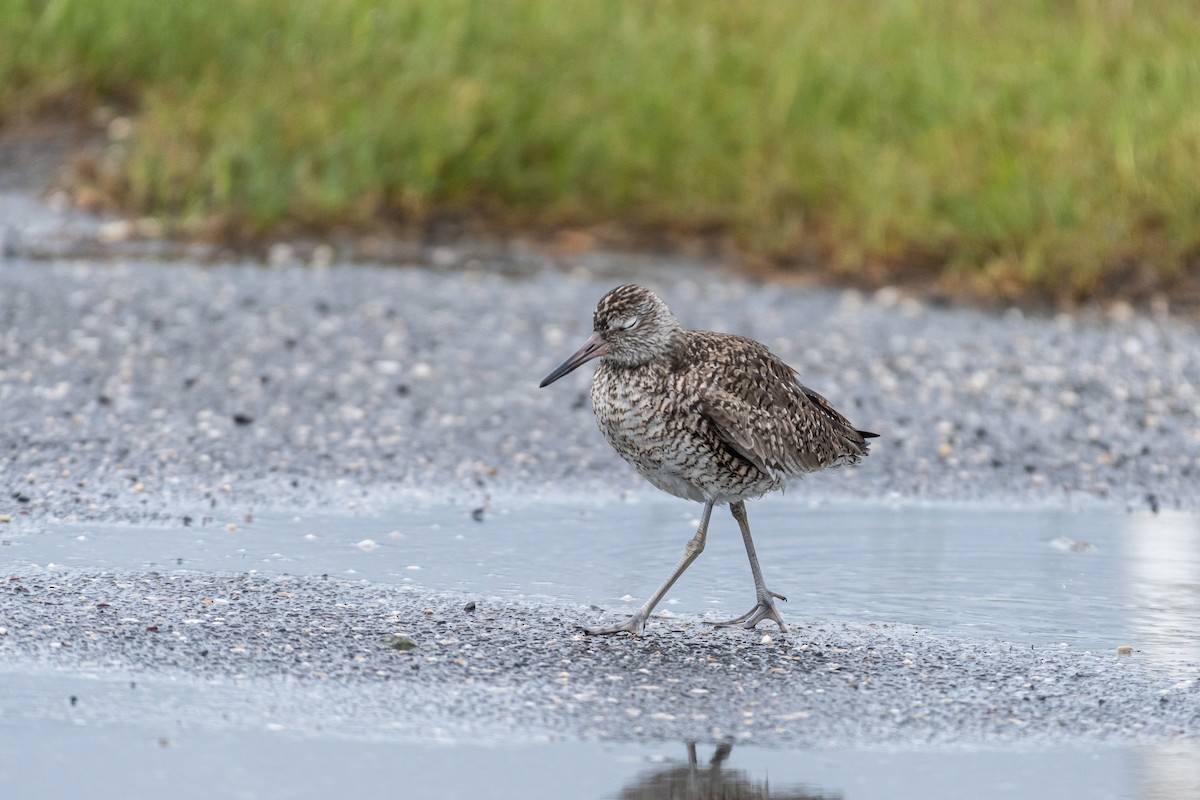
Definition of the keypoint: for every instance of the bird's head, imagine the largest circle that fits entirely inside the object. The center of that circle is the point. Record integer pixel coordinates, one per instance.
(630, 326)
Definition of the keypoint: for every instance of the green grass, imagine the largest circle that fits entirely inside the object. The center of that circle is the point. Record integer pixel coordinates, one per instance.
(1051, 147)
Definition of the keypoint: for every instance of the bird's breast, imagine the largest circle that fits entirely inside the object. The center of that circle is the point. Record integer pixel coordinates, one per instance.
(637, 412)
(655, 424)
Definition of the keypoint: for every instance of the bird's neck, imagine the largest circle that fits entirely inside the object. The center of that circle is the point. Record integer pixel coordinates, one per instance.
(663, 350)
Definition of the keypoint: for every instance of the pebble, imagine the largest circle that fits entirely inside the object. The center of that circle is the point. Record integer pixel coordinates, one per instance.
(348, 374)
(334, 650)
(369, 384)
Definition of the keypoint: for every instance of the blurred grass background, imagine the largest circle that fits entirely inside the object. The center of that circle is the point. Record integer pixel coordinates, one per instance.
(1015, 147)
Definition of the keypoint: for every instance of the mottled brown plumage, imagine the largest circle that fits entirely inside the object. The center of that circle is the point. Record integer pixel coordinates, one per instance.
(711, 417)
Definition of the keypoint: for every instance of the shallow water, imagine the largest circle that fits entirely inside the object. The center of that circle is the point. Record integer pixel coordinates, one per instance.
(70, 756)
(1086, 580)
(1089, 580)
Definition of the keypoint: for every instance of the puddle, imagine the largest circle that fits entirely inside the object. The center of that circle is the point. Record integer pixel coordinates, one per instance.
(1090, 580)
(50, 760)
(1087, 580)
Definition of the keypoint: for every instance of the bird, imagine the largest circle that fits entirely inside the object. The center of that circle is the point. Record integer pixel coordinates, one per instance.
(696, 781)
(715, 418)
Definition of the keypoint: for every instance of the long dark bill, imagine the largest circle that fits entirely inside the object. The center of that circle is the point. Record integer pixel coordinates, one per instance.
(595, 346)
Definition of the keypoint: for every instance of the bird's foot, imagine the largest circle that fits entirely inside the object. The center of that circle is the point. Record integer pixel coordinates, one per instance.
(633, 626)
(763, 609)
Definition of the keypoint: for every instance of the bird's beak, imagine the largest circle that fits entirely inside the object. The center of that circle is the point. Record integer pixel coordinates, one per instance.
(594, 347)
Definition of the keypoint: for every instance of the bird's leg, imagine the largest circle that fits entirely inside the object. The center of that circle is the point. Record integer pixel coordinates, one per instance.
(765, 607)
(692, 549)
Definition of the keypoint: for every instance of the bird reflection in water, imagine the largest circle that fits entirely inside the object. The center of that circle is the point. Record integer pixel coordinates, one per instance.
(692, 781)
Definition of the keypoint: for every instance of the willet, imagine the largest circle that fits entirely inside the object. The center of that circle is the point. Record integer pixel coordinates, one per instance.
(710, 417)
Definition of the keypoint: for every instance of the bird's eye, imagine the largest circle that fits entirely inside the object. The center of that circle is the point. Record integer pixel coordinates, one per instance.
(627, 324)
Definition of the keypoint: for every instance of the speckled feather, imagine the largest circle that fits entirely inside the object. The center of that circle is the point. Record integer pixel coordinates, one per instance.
(708, 415)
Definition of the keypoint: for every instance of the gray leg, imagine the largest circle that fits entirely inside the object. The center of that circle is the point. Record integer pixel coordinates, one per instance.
(764, 608)
(694, 547)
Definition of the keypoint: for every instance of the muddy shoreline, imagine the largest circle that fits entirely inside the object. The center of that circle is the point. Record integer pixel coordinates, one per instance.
(187, 395)
(503, 666)
(146, 390)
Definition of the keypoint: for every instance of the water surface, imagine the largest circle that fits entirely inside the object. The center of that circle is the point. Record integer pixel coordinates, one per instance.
(1092, 580)
(1087, 580)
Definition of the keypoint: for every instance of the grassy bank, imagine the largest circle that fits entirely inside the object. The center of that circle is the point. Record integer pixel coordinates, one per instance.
(1013, 146)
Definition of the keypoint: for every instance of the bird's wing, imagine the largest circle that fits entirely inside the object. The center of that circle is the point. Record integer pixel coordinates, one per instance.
(750, 430)
(773, 421)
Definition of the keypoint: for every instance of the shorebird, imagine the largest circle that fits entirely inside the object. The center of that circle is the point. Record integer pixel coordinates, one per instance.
(710, 417)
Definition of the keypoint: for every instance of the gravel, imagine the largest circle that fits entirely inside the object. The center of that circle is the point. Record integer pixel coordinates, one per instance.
(144, 391)
(505, 671)
(149, 390)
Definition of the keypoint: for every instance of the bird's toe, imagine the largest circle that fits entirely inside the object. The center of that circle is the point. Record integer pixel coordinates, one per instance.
(764, 609)
(633, 626)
